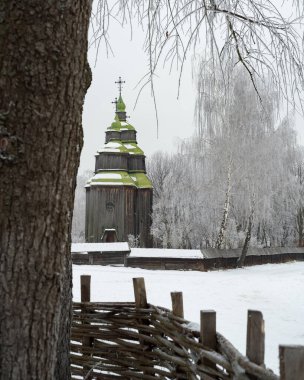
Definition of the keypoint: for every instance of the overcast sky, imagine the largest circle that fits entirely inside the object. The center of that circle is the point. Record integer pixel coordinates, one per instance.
(176, 116)
(176, 119)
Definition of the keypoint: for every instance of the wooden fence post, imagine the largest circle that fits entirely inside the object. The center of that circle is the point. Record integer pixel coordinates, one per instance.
(140, 292)
(208, 335)
(177, 304)
(141, 303)
(291, 362)
(255, 346)
(178, 311)
(85, 288)
(208, 328)
(85, 291)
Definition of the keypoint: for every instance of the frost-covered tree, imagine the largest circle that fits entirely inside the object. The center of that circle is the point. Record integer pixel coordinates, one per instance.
(262, 36)
(231, 185)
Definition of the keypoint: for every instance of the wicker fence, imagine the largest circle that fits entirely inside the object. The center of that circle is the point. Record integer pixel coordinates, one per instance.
(136, 340)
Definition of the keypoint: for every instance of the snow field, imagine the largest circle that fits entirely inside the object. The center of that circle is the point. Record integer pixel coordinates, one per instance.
(274, 289)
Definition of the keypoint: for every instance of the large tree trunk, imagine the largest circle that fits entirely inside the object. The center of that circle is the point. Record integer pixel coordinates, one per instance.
(44, 76)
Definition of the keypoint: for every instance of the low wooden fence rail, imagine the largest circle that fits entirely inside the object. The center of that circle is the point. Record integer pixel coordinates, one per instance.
(136, 340)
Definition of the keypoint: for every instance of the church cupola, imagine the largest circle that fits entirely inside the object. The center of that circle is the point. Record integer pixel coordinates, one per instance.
(120, 105)
(121, 109)
(120, 180)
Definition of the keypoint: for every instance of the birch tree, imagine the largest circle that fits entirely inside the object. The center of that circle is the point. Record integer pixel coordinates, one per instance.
(259, 35)
(243, 149)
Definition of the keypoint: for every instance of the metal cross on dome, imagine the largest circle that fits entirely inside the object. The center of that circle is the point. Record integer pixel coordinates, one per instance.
(115, 102)
(120, 83)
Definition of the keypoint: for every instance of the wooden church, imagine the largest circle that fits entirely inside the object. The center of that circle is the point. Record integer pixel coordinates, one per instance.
(119, 195)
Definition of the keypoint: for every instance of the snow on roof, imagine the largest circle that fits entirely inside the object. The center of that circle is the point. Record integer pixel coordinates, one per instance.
(100, 247)
(109, 151)
(107, 184)
(112, 144)
(129, 146)
(107, 176)
(172, 253)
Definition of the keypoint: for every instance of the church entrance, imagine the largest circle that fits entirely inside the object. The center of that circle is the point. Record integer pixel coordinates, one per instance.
(109, 236)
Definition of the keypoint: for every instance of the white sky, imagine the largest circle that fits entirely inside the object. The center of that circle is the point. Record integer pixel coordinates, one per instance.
(176, 116)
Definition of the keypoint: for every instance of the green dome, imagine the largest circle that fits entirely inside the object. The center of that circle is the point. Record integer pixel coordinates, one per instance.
(121, 107)
(116, 124)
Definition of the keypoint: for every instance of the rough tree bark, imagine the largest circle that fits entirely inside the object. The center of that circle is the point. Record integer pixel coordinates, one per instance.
(44, 76)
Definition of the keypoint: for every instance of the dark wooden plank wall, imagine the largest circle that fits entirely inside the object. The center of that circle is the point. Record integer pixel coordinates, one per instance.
(128, 136)
(230, 262)
(144, 216)
(97, 258)
(137, 163)
(169, 263)
(112, 135)
(129, 213)
(165, 263)
(100, 217)
(87, 213)
(112, 161)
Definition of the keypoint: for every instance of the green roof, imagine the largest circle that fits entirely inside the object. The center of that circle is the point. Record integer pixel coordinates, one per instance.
(120, 178)
(141, 180)
(133, 148)
(126, 125)
(119, 126)
(136, 178)
(111, 178)
(114, 146)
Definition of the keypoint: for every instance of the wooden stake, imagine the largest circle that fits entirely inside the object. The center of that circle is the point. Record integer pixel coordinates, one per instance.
(208, 335)
(178, 310)
(208, 328)
(177, 304)
(85, 286)
(141, 303)
(291, 362)
(140, 292)
(255, 347)
(85, 289)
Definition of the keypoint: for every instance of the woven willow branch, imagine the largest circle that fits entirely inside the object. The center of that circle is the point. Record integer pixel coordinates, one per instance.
(118, 341)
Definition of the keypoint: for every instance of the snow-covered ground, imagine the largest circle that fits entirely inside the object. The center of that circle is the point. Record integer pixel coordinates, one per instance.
(275, 289)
